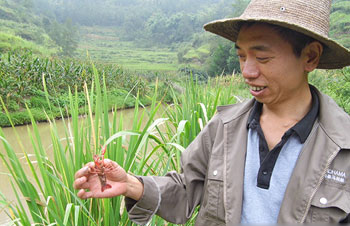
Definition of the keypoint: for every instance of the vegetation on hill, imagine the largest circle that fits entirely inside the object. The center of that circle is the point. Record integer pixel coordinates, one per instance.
(340, 22)
(65, 27)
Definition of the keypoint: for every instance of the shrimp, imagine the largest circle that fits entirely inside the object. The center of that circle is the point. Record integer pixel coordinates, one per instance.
(100, 169)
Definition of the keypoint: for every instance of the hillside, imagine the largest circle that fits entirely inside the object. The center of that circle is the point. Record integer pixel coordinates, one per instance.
(137, 34)
(22, 29)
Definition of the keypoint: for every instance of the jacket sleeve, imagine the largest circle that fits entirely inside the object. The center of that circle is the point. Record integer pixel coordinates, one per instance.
(174, 196)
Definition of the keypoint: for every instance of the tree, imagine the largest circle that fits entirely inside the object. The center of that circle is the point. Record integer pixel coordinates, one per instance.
(239, 6)
(340, 22)
(176, 28)
(223, 60)
(64, 35)
(25, 3)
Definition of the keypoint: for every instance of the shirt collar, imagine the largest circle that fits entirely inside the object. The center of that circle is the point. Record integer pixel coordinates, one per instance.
(254, 116)
(302, 128)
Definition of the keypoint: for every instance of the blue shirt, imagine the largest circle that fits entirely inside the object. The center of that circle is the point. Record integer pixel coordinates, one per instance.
(261, 206)
(267, 172)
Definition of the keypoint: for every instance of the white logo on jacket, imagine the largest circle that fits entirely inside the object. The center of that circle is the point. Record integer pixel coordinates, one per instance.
(336, 175)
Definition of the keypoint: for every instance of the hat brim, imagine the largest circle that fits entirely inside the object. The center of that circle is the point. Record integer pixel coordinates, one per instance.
(334, 55)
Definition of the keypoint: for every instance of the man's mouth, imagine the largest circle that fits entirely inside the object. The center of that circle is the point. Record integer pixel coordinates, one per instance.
(257, 88)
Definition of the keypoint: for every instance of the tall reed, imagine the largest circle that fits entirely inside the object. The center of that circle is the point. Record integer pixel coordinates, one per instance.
(152, 146)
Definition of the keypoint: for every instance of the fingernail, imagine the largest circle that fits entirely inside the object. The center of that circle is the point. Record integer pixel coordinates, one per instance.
(86, 169)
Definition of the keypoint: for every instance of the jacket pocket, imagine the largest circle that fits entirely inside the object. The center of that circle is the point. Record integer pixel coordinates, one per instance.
(214, 208)
(330, 205)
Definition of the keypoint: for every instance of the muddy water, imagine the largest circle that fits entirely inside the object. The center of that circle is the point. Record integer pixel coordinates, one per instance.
(44, 131)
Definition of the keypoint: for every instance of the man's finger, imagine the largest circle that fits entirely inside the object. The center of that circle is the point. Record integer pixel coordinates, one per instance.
(84, 171)
(84, 194)
(79, 182)
(112, 163)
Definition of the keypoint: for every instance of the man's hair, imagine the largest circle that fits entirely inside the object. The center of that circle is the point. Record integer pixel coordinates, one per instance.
(297, 40)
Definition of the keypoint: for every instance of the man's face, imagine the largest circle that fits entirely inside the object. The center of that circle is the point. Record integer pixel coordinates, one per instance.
(270, 68)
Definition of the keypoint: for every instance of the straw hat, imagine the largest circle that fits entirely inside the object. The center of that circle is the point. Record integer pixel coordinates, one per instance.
(310, 17)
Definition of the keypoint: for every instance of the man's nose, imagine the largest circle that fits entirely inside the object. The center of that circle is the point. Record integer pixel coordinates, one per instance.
(250, 69)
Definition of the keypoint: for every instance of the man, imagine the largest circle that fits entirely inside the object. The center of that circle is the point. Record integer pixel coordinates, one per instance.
(282, 157)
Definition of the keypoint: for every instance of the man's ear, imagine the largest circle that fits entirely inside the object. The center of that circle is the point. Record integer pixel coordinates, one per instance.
(312, 53)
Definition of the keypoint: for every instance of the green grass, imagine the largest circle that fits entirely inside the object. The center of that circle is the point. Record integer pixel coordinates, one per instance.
(10, 41)
(195, 56)
(203, 50)
(25, 30)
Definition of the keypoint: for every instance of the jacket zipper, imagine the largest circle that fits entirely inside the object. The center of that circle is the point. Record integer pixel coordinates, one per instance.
(318, 185)
(225, 173)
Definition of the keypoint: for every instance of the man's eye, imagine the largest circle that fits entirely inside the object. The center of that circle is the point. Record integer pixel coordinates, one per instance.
(241, 57)
(263, 59)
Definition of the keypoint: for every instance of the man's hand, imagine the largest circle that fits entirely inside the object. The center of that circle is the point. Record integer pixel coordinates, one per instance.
(89, 185)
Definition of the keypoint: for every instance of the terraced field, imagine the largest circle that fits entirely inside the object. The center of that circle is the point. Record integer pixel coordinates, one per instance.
(103, 45)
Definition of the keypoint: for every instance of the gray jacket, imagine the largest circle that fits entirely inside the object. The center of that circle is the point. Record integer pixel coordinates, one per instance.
(213, 167)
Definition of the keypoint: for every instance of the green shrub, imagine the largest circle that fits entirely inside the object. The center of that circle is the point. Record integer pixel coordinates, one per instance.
(39, 114)
(39, 102)
(320, 79)
(340, 88)
(4, 121)
(12, 105)
(196, 74)
(335, 83)
(223, 60)
(20, 118)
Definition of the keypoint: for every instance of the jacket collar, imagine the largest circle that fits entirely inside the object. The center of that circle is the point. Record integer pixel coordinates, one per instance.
(231, 112)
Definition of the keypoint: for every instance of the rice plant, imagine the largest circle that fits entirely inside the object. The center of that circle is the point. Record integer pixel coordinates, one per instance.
(152, 146)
